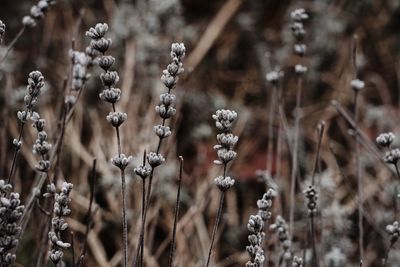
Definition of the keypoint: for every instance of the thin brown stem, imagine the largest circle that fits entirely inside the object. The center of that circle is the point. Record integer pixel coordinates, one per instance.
(219, 214)
(271, 129)
(92, 183)
(321, 129)
(171, 254)
(12, 43)
(124, 219)
(384, 260)
(16, 150)
(295, 155)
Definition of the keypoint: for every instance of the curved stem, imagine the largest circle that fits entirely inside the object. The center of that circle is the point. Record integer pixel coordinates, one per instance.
(219, 214)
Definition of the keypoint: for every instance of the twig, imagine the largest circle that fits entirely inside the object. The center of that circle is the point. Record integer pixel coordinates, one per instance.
(171, 254)
(92, 183)
(219, 214)
(358, 163)
(11, 45)
(295, 154)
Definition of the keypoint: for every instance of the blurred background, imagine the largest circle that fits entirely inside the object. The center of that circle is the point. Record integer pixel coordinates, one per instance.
(230, 47)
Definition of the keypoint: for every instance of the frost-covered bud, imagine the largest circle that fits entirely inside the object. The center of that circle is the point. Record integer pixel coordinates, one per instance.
(224, 183)
(168, 80)
(43, 166)
(116, 118)
(162, 131)
(312, 196)
(35, 83)
(111, 95)
(143, 171)
(41, 147)
(97, 31)
(23, 116)
(265, 204)
(101, 45)
(38, 122)
(70, 100)
(164, 111)
(299, 49)
(298, 30)
(297, 261)
(385, 139)
(175, 68)
(299, 15)
(394, 231)
(226, 140)
(43, 5)
(225, 156)
(224, 119)
(56, 256)
(109, 78)
(357, 84)
(28, 21)
(5, 187)
(105, 62)
(2, 30)
(392, 156)
(178, 50)
(121, 161)
(274, 76)
(300, 69)
(17, 144)
(255, 224)
(36, 12)
(155, 159)
(167, 99)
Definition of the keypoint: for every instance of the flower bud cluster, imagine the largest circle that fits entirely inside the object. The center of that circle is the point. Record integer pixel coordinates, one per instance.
(110, 94)
(312, 197)
(10, 214)
(166, 108)
(80, 62)
(60, 210)
(256, 228)
(224, 120)
(175, 68)
(37, 13)
(392, 156)
(394, 231)
(298, 16)
(255, 250)
(280, 227)
(2, 31)
(121, 161)
(297, 261)
(41, 147)
(274, 76)
(385, 139)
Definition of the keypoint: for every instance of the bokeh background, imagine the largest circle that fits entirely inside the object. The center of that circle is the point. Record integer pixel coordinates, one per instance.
(231, 45)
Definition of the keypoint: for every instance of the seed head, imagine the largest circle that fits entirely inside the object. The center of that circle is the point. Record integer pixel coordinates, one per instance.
(224, 183)
(98, 31)
(155, 159)
(385, 139)
(111, 95)
(224, 119)
(116, 118)
(121, 161)
(357, 84)
(392, 156)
